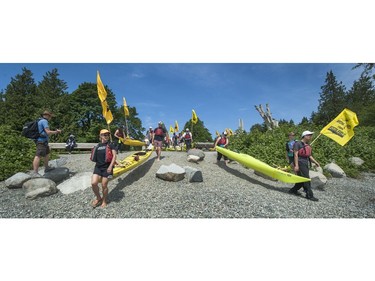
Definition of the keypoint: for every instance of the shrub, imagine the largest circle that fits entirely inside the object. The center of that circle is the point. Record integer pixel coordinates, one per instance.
(269, 147)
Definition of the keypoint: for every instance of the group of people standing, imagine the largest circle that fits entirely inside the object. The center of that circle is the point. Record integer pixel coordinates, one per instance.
(159, 137)
(298, 154)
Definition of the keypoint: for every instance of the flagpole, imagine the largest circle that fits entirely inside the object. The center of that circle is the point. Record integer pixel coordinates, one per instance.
(126, 127)
(315, 139)
(110, 135)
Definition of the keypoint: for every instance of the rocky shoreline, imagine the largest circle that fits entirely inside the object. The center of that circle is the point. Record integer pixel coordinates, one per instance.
(230, 191)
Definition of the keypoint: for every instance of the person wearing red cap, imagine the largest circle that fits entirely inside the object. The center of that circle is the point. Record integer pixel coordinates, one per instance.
(104, 155)
(42, 148)
(302, 156)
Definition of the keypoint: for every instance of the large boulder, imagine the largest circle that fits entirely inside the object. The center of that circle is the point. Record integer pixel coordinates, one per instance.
(39, 187)
(172, 172)
(197, 152)
(80, 181)
(193, 175)
(334, 170)
(17, 180)
(318, 180)
(57, 162)
(356, 161)
(58, 174)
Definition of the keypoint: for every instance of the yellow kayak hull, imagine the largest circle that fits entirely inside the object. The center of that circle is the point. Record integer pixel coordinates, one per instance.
(261, 167)
(131, 142)
(130, 162)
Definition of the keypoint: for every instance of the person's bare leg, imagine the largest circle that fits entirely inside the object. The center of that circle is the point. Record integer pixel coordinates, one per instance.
(95, 188)
(105, 192)
(36, 163)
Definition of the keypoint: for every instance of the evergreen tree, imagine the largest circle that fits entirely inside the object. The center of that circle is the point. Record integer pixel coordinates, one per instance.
(86, 110)
(200, 132)
(361, 100)
(332, 100)
(20, 100)
(134, 123)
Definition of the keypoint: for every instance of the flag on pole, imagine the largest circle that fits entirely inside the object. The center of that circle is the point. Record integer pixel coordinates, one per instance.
(217, 134)
(126, 109)
(101, 91)
(194, 117)
(171, 129)
(341, 128)
(107, 114)
(176, 129)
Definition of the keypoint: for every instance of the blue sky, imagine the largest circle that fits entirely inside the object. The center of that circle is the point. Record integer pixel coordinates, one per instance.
(220, 93)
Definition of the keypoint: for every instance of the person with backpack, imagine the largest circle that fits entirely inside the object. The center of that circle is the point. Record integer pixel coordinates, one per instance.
(104, 155)
(188, 139)
(158, 137)
(302, 156)
(222, 141)
(289, 149)
(42, 148)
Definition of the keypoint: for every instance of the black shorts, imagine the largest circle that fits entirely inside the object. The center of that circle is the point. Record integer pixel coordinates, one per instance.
(103, 172)
(42, 149)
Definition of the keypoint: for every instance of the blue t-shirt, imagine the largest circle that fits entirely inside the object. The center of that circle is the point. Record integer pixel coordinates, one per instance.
(42, 124)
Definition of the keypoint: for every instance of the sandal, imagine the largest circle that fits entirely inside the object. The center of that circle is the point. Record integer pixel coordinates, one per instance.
(96, 203)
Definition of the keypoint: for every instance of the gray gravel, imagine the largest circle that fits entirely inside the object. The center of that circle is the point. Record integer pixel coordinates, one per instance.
(226, 192)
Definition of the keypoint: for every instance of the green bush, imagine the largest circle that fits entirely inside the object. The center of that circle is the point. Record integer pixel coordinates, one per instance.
(16, 153)
(269, 147)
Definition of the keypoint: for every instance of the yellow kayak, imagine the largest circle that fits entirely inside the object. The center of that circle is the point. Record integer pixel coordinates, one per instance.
(131, 162)
(260, 166)
(131, 142)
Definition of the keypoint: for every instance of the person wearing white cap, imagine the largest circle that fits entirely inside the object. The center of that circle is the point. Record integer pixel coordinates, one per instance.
(188, 138)
(158, 137)
(302, 157)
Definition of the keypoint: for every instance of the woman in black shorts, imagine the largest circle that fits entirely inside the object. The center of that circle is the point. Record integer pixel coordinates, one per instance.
(104, 155)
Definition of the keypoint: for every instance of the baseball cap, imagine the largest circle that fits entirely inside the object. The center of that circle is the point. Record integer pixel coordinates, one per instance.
(305, 133)
(104, 131)
(46, 112)
(187, 129)
(225, 133)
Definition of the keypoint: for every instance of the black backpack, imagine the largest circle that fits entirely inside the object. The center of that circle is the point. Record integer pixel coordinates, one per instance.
(31, 130)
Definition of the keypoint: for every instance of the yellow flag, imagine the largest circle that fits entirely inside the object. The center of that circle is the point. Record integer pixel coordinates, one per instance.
(176, 129)
(101, 91)
(217, 134)
(341, 128)
(194, 117)
(107, 114)
(171, 129)
(126, 109)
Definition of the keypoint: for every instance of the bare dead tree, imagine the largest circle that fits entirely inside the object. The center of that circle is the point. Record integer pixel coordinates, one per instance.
(267, 117)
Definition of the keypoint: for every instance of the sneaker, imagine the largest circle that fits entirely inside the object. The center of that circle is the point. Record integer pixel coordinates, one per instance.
(35, 175)
(297, 193)
(312, 198)
(46, 170)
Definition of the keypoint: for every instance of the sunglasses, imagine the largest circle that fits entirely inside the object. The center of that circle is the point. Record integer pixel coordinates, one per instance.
(105, 135)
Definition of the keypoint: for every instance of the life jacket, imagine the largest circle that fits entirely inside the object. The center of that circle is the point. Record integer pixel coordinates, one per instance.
(305, 151)
(290, 145)
(222, 141)
(187, 136)
(108, 154)
(159, 132)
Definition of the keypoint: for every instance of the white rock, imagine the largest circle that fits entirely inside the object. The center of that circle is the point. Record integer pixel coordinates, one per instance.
(172, 172)
(80, 181)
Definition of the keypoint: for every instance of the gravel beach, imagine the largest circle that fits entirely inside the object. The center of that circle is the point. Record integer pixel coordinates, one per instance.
(230, 191)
